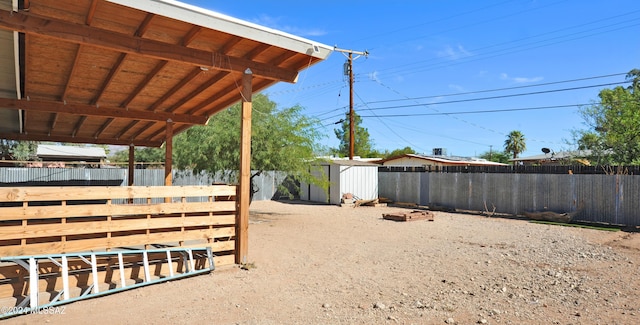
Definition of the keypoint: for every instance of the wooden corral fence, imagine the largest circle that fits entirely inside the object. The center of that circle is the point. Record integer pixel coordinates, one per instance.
(56, 220)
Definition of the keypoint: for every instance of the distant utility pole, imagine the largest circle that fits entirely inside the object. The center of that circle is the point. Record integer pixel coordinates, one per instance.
(349, 71)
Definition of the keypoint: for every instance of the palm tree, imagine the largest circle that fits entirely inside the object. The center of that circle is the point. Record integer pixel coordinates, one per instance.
(515, 143)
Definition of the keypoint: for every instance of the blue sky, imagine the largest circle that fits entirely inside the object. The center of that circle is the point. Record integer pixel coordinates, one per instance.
(431, 58)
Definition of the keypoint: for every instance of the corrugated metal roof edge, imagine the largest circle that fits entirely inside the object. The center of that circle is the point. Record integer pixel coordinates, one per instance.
(445, 160)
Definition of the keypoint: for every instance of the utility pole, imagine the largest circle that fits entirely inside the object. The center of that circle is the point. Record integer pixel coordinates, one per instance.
(349, 70)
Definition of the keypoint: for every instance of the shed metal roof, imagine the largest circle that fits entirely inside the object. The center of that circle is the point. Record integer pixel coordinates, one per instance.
(114, 71)
(66, 152)
(445, 160)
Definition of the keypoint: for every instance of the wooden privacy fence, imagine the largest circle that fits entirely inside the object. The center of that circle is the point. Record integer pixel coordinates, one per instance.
(54, 220)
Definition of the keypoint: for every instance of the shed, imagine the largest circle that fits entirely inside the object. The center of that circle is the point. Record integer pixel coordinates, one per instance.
(47, 152)
(359, 178)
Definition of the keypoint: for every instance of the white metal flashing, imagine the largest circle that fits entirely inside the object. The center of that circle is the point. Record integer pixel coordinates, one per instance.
(217, 21)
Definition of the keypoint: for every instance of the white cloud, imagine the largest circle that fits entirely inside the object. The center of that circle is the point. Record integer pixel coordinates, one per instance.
(525, 80)
(457, 88)
(454, 53)
(519, 80)
(374, 76)
(275, 23)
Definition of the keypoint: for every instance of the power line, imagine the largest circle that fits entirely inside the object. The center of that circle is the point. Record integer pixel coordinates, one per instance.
(501, 89)
(477, 23)
(498, 97)
(480, 111)
(392, 130)
(409, 69)
(480, 91)
(433, 21)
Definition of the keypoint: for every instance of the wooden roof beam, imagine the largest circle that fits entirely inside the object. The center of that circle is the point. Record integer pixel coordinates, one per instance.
(126, 128)
(144, 128)
(88, 110)
(144, 83)
(81, 34)
(191, 35)
(78, 125)
(186, 40)
(103, 127)
(209, 83)
(91, 13)
(256, 87)
(69, 139)
(117, 66)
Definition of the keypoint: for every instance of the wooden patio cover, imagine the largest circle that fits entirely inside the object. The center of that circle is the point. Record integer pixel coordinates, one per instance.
(116, 71)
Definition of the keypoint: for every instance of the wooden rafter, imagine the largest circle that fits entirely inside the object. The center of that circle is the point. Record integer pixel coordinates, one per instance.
(88, 20)
(257, 86)
(103, 127)
(126, 128)
(191, 35)
(229, 45)
(68, 32)
(257, 51)
(142, 129)
(117, 66)
(210, 112)
(91, 13)
(144, 83)
(209, 83)
(88, 110)
(70, 139)
(78, 125)
(144, 26)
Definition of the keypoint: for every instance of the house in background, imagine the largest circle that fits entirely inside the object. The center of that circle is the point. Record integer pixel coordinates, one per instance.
(64, 156)
(415, 160)
(556, 158)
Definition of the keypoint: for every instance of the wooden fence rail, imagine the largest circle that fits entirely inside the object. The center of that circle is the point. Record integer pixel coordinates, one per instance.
(54, 220)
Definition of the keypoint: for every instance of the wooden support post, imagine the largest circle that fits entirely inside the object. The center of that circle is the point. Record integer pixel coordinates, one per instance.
(244, 186)
(132, 159)
(168, 161)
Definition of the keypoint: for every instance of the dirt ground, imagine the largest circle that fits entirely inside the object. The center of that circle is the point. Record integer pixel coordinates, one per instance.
(320, 264)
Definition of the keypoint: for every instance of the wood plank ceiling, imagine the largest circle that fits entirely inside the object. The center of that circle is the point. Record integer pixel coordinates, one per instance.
(100, 72)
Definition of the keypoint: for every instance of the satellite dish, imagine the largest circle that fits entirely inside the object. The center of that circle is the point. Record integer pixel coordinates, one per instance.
(546, 150)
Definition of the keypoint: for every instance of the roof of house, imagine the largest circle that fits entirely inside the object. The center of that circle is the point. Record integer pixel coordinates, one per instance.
(464, 161)
(69, 152)
(555, 155)
(120, 71)
(346, 162)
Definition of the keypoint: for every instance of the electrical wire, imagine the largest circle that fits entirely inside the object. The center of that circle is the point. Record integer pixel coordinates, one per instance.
(501, 89)
(498, 97)
(391, 129)
(479, 92)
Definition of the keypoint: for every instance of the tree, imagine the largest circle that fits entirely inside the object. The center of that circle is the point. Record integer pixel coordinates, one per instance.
(141, 155)
(398, 152)
(515, 143)
(614, 123)
(362, 146)
(496, 156)
(281, 140)
(18, 150)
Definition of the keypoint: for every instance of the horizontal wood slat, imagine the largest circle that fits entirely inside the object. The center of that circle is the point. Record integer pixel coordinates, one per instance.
(68, 219)
(57, 193)
(81, 245)
(97, 227)
(97, 210)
